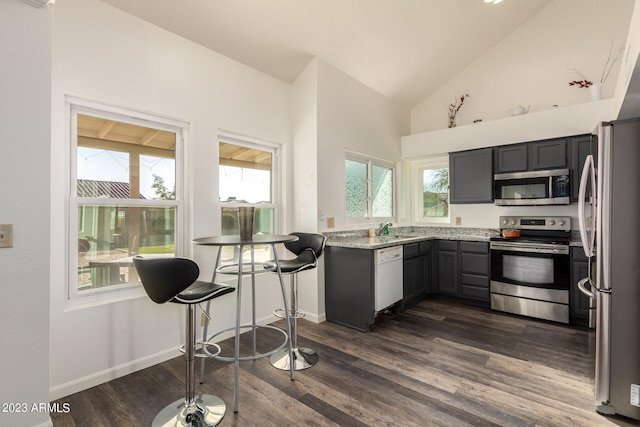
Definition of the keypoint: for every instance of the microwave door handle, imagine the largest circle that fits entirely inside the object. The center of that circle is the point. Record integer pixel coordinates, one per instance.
(588, 171)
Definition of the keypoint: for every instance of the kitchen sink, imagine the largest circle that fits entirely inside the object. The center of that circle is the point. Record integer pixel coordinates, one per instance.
(397, 236)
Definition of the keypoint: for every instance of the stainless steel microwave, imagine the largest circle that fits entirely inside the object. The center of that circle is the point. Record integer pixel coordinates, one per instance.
(544, 187)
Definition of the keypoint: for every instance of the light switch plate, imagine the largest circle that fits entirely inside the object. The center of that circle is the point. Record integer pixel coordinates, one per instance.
(6, 235)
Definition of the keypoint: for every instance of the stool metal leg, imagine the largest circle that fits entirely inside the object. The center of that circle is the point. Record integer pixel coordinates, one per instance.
(303, 357)
(206, 324)
(195, 411)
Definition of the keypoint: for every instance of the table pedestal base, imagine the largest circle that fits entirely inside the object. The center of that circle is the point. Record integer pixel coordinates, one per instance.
(209, 412)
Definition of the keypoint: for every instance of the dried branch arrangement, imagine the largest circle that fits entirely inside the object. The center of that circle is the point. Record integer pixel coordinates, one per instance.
(608, 66)
(454, 107)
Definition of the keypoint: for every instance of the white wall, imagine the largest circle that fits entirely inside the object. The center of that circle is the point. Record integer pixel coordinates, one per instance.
(104, 54)
(627, 93)
(350, 117)
(572, 120)
(529, 66)
(304, 108)
(25, 121)
(332, 113)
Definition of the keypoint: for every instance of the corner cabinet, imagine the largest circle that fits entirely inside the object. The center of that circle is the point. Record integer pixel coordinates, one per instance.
(471, 175)
(416, 283)
(447, 267)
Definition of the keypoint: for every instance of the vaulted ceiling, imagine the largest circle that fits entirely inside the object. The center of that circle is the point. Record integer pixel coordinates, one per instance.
(403, 49)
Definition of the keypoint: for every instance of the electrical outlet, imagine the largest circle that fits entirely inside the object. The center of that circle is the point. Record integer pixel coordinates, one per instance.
(203, 320)
(331, 222)
(6, 235)
(458, 220)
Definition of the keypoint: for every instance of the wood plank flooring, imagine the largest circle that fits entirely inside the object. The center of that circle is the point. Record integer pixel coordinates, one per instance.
(440, 363)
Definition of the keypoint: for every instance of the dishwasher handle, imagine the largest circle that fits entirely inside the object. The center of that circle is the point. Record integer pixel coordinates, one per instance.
(390, 254)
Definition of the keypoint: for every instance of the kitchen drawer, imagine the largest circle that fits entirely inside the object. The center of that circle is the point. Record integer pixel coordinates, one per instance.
(448, 245)
(474, 292)
(475, 280)
(411, 250)
(479, 247)
(475, 263)
(425, 246)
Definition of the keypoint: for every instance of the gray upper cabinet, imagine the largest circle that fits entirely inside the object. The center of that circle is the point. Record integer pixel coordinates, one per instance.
(548, 154)
(581, 147)
(529, 156)
(471, 174)
(511, 158)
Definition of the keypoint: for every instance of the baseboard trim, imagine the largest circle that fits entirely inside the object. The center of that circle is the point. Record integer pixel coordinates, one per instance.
(65, 389)
(101, 377)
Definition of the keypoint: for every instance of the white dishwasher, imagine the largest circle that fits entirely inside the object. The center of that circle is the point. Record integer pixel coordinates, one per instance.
(388, 277)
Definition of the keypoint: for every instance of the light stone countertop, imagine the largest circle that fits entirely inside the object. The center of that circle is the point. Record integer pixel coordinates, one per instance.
(359, 239)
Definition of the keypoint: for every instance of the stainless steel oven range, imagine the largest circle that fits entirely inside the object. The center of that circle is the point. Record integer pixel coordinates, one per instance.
(530, 271)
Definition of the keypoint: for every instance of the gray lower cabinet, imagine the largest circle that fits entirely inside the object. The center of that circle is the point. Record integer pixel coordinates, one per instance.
(474, 270)
(471, 175)
(447, 267)
(463, 269)
(578, 302)
(349, 281)
(417, 271)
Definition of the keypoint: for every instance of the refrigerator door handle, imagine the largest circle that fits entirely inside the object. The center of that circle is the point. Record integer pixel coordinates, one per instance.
(591, 292)
(587, 231)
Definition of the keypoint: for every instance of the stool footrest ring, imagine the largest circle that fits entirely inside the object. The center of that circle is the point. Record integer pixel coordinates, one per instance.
(202, 349)
(255, 356)
(279, 312)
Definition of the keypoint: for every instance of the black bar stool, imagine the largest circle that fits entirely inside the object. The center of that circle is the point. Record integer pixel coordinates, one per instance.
(307, 249)
(176, 280)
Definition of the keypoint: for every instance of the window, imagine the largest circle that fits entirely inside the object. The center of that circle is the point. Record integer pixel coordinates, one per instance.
(248, 178)
(432, 190)
(368, 188)
(125, 197)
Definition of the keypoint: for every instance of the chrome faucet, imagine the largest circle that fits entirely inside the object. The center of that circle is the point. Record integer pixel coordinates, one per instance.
(384, 227)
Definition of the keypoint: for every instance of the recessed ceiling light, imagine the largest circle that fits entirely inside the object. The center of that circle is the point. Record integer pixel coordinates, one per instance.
(493, 1)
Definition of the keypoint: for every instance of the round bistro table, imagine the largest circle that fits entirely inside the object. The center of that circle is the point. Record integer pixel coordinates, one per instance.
(249, 267)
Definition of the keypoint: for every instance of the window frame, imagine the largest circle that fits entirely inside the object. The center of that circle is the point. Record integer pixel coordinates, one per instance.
(276, 152)
(108, 294)
(418, 167)
(370, 161)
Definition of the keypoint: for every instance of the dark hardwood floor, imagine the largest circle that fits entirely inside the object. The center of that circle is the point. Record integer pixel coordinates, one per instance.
(440, 363)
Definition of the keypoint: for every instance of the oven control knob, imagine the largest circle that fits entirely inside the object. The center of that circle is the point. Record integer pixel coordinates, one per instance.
(505, 221)
(513, 222)
(561, 222)
(552, 222)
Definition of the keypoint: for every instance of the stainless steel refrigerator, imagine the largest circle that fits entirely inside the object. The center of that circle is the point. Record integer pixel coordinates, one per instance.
(611, 220)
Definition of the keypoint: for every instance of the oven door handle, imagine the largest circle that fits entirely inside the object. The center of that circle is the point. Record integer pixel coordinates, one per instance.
(564, 250)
